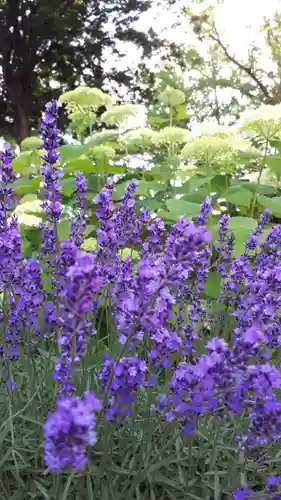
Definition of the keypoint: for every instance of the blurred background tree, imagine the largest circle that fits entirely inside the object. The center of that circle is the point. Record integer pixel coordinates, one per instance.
(47, 46)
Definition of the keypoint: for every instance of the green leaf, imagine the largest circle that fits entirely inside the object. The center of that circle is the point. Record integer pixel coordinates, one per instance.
(219, 183)
(42, 490)
(63, 229)
(72, 151)
(79, 165)
(27, 186)
(241, 227)
(25, 160)
(212, 286)
(182, 207)
(244, 223)
(197, 196)
(274, 163)
(193, 183)
(68, 186)
(144, 187)
(259, 188)
(274, 204)
(119, 190)
(31, 143)
(168, 216)
(152, 204)
(113, 169)
(238, 196)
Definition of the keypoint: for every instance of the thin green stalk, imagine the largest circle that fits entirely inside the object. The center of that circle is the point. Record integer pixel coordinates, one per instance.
(143, 469)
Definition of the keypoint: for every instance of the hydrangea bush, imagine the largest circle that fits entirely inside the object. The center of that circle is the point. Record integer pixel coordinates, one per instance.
(122, 376)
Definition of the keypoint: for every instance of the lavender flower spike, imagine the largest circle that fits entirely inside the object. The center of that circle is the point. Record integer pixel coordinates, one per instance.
(52, 202)
(85, 278)
(206, 208)
(69, 430)
(78, 226)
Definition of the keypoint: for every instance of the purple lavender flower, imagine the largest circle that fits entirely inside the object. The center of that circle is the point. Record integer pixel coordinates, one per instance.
(144, 299)
(84, 281)
(78, 226)
(68, 431)
(265, 424)
(52, 198)
(120, 226)
(243, 493)
(273, 481)
(224, 247)
(7, 177)
(155, 241)
(10, 257)
(165, 343)
(26, 303)
(206, 208)
(122, 381)
(253, 239)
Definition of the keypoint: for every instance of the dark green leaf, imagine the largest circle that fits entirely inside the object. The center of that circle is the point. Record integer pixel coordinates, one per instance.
(259, 188)
(193, 183)
(79, 165)
(212, 286)
(72, 151)
(182, 207)
(241, 227)
(68, 186)
(238, 196)
(27, 186)
(274, 163)
(274, 204)
(63, 229)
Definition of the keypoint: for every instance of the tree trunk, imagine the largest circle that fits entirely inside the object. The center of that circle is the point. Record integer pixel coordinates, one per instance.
(22, 122)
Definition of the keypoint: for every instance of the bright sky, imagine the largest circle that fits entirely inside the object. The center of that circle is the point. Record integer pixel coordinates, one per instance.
(239, 21)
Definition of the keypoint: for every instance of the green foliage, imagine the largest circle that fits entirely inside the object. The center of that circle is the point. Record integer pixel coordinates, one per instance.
(176, 170)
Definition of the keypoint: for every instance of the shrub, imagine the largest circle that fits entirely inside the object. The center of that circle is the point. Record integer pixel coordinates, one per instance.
(181, 382)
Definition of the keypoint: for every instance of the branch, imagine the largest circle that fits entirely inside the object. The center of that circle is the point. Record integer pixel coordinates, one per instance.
(237, 63)
(65, 6)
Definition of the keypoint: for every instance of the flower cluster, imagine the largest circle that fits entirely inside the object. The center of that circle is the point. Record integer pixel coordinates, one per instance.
(79, 224)
(121, 381)
(68, 431)
(224, 247)
(158, 310)
(84, 281)
(52, 202)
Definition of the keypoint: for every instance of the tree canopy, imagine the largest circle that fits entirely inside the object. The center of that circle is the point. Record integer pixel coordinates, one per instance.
(49, 45)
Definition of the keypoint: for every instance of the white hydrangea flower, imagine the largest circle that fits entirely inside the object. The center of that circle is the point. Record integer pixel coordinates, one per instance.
(103, 135)
(118, 114)
(29, 220)
(31, 143)
(29, 207)
(85, 98)
(207, 149)
(141, 137)
(264, 122)
(217, 148)
(172, 97)
(173, 135)
(81, 120)
(102, 152)
(207, 128)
